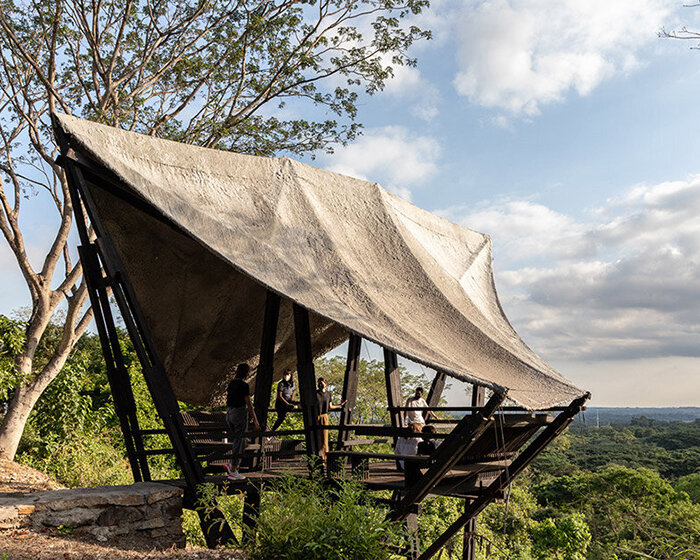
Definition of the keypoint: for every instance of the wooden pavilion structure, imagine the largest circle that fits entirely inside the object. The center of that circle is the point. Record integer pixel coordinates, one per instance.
(206, 273)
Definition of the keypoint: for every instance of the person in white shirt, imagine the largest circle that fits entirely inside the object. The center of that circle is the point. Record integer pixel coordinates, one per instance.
(407, 446)
(416, 416)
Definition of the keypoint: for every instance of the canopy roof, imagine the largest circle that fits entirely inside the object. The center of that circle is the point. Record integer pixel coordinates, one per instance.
(218, 229)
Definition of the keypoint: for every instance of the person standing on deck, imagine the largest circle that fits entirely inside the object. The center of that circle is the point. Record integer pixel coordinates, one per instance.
(324, 407)
(238, 408)
(284, 402)
(416, 416)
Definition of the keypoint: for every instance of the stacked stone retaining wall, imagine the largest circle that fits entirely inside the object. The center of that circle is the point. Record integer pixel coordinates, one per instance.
(138, 512)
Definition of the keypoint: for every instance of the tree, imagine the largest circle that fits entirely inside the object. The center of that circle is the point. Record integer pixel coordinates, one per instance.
(371, 404)
(215, 73)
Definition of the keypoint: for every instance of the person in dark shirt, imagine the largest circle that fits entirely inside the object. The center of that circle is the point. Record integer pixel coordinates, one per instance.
(238, 408)
(427, 446)
(285, 398)
(325, 405)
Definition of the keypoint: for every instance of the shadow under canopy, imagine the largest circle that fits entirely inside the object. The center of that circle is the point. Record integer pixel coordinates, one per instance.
(213, 231)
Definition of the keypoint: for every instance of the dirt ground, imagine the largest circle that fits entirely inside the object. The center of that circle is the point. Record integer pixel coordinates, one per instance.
(28, 545)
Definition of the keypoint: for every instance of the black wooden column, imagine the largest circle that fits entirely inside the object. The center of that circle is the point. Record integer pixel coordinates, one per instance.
(392, 376)
(263, 377)
(436, 389)
(349, 388)
(251, 510)
(216, 530)
(307, 380)
(117, 374)
(469, 546)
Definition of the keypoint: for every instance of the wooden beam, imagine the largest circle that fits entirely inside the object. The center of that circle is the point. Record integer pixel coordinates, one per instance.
(307, 380)
(349, 388)
(452, 449)
(436, 389)
(523, 460)
(478, 395)
(469, 543)
(392, 376)
(263, 377)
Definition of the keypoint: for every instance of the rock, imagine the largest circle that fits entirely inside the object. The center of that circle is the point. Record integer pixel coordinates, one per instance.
(116, 515)
(8, 513)
(102, 534)
(154, 523)
(151, 510)
(69, 517)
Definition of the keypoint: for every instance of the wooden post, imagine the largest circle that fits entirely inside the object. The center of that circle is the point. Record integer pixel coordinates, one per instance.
(469, 546)
(307, 380)
(392, 375)
(436, 389)
(251, 510)
(349, 388)
(263, 377)
(412, 528)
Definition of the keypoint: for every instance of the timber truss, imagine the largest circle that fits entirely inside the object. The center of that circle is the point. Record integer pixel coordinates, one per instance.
(477, 459)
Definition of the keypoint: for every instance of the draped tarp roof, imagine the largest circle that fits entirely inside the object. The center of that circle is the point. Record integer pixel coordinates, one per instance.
(221, 228)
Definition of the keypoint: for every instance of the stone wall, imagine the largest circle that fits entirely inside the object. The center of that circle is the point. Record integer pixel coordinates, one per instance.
(138, 512)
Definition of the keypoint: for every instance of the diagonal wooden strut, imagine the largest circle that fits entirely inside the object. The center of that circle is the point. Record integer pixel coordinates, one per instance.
(453, 448)
(215, 528)
(559, 424)
(117, 374)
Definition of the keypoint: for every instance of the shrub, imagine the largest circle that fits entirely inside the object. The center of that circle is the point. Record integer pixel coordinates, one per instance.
(301, 519)
(79, 462)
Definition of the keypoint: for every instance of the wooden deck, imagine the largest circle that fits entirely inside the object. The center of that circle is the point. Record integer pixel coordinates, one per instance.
(382, 475)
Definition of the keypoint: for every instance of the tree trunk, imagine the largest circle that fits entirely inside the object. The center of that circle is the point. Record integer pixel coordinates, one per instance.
(25, 397)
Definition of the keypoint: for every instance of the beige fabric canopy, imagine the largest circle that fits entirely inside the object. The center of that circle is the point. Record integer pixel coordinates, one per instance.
(223, 227)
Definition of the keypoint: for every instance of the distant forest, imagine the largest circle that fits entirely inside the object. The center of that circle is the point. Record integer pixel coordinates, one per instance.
(624, 415)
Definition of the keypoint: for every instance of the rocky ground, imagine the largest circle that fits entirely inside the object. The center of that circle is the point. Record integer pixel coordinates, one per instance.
(27, 545)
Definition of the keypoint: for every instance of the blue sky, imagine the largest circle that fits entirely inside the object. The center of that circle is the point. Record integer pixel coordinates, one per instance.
(565, 130)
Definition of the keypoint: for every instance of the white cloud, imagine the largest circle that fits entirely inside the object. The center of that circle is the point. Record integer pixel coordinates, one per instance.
(517, 55)
(623, 284)
(390, 155)
(409, 84)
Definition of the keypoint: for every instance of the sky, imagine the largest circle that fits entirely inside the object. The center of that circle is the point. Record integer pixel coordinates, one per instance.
(564, 130)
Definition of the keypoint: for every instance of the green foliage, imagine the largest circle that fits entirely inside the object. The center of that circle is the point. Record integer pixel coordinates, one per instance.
(192, 529)
(506, 528)
(690, 484)
(671, 448)
(302, 520)
(566, 538)
(73, 433)
(78, 461)
(371, 399)
(574, 504)
(631, 512)
(12, 336)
